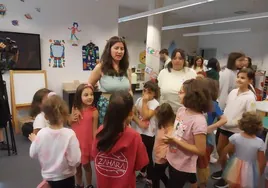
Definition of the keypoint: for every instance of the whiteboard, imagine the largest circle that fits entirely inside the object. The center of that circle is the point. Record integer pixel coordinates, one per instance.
(25, 85)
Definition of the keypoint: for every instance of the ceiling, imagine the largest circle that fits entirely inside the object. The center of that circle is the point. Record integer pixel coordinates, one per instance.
(208, 11)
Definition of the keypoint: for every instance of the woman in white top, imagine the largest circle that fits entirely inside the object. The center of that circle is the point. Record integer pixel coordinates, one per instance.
(171, 79)
(198, 64)
(228, 76)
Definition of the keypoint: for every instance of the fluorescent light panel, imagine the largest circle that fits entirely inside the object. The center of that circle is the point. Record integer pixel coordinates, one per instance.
(217, 32)
(218, 21)
(177, 6)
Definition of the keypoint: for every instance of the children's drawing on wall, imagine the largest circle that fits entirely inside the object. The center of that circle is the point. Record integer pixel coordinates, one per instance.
(74, 30)
(2, 10)
(28, 16)
(57, 54)
(15, 22)
(148, 70)
(90, 54)
(143, 57)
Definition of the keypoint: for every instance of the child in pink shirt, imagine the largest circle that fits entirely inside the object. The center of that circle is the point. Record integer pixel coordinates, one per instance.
(166, 117)
(188, 140)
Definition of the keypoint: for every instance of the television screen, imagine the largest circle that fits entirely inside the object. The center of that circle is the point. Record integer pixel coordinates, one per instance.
(23, 49)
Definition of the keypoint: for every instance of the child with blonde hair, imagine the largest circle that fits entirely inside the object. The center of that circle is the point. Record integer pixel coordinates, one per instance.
(56, 147)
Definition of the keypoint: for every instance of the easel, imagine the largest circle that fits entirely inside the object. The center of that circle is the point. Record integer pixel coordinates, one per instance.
(24, 84)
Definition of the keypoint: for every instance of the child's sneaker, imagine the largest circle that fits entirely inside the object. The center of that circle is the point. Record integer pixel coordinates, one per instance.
(148, 183)
(78, 186)
(89, 186)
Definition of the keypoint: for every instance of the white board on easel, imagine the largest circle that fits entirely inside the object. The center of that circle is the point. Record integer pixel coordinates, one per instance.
(23, 85)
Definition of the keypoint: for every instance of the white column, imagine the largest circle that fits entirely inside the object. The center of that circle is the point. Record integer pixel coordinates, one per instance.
(154, 30)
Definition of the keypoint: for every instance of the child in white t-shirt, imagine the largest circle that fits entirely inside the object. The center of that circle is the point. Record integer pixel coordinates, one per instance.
(145, 110)
(56, 147)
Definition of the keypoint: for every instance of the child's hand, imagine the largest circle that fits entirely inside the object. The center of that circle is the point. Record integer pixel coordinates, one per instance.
(32, 137)
(168, 139)
(145, 97)
(76, 115)
(210, 130)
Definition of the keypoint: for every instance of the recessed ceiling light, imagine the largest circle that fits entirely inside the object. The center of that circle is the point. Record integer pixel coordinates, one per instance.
(241, 12)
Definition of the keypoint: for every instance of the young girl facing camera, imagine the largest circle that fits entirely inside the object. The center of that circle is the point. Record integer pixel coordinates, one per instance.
(56, 147)
(146, 107)
(118, 149)
(246, 166)
(188, 140)
(85, 130)
(239, 100)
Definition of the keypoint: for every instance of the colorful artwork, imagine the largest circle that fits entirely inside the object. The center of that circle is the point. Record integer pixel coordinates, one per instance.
(143, 57)
(148, 70)
(152, 51)
(57, 54)
(2, 10)
(15, 22)
(74, 40)
(90, 55)
(28, 16)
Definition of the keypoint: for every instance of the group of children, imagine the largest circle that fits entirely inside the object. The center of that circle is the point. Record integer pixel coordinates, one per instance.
(161, 139)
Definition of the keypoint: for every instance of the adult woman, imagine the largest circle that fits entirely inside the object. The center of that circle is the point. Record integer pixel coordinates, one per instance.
(228, 76)
(198, 64)
(112, 73)
(171, 79)
(248, 62)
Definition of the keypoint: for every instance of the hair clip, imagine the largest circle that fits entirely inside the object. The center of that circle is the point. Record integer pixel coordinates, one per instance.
(51, 94)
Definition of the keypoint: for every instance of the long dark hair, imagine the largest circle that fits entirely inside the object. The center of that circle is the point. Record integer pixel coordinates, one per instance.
(119, 108)
(165, 115)
(37, 100)
(173, 55)
(107, 60)
(251, 76)
(78, 103)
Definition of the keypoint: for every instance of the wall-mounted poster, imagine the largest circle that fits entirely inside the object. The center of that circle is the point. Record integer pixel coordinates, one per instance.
(74, 30)
(90, 55)
(57, 54)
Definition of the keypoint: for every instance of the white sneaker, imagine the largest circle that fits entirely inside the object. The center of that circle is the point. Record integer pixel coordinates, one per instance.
(213, 159)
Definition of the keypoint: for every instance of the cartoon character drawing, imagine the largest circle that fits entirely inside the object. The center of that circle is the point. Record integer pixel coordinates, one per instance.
(74, 30)
(57, 53)
(2, 10)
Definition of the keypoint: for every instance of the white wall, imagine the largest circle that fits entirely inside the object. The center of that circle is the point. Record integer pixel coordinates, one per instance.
(135, 32)
(253, 44)
(53, 22)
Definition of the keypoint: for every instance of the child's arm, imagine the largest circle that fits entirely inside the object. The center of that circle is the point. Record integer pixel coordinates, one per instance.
(95, 122)
(138, 121)
(200, 144)
(230, 148)
(33, 149)
(73, 153)
(261, 161)
(147, 112)
(222, 121)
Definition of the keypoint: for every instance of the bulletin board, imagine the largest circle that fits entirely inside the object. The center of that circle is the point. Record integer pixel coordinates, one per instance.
(23, 85)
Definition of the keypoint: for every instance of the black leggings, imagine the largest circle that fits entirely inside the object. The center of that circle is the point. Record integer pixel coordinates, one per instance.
(160, 173)
(66, 183)
(177, 179)
(149, 144)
